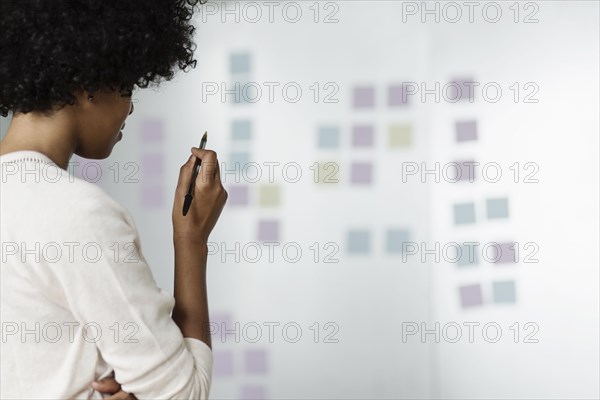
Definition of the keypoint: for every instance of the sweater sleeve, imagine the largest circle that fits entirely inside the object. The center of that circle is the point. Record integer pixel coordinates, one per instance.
(111, 292)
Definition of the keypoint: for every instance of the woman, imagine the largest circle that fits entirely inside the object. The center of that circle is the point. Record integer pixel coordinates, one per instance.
(81, 324)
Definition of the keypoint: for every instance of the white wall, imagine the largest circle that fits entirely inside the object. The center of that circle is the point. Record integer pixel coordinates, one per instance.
(370, 296)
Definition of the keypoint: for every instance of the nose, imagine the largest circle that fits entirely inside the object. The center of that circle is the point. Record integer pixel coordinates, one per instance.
(131, 111)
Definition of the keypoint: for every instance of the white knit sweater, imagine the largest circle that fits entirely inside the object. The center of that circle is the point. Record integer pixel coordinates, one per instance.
(78, 300)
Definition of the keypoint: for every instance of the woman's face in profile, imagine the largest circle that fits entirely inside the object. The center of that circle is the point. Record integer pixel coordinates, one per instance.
(101, 122)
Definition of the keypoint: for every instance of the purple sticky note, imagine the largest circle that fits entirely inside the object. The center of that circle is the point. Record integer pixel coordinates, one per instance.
(152, 196)
(268, 230)
(361, 173)
(397, 95)
(505, 253)
(462, 89)
(465, 171)
(364, 97)
(223, 320)
(255, 361)
(238, 195)
(152, 131)
(223, 362)
(470, 296)
(253, 392)
(152, 164)
(362, 135)
(466, 130)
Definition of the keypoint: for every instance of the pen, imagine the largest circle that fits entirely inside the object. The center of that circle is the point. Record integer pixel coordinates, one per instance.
(190, 194)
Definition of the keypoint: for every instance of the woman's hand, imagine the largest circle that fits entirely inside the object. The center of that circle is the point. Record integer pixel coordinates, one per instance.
(112, 387)
(209, 198)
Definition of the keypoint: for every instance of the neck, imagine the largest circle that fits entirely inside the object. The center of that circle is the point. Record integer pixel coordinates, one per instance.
(52, 136)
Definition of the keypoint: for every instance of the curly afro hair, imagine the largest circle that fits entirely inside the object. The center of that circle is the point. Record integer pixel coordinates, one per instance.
(50, 49)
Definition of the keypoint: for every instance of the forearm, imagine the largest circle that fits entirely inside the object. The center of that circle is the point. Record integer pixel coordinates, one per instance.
(191, 301)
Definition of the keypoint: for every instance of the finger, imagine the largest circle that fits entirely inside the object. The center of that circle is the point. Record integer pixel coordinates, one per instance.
(107, 385)
(185, 174)
(209, 164)
(122, 396)
(218, 172)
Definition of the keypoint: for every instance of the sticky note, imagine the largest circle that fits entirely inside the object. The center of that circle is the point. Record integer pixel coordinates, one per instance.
(253, 392)
(222, 362)
(504, 291)
(152, 130)
(363, 135)
(359, 242)
(327, 173)
(497, 208)
(464, 213)
(241, 129)
(470, 295)
(395, 239)
(465, 171)
(364, 97)
(152, 196)
(461, 89)
(466, 131)
(237, 162)
(469, 254)
(397, 95)
(152, 164)
(361, 173)
(505, 253)
(221, 323)
(223, 320)
(269, 195)
(241, 91)
(268, 230)
(239, 63)
(238, 195)
(400, 135)
(255, 361)
(329, 137)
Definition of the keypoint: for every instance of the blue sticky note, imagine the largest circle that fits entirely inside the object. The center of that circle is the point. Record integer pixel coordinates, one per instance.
(464, 213)
(497, 208)
(504, 291)
(241, 129)
(469, 255)
(359, 241)
(329, 137)
(239, 63)
(395, 239)
(237, 161)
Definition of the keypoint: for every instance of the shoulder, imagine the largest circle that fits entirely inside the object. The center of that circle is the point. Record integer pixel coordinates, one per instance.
(89, 202)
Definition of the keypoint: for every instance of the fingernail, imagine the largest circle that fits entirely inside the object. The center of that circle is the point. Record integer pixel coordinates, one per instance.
(95, 385)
